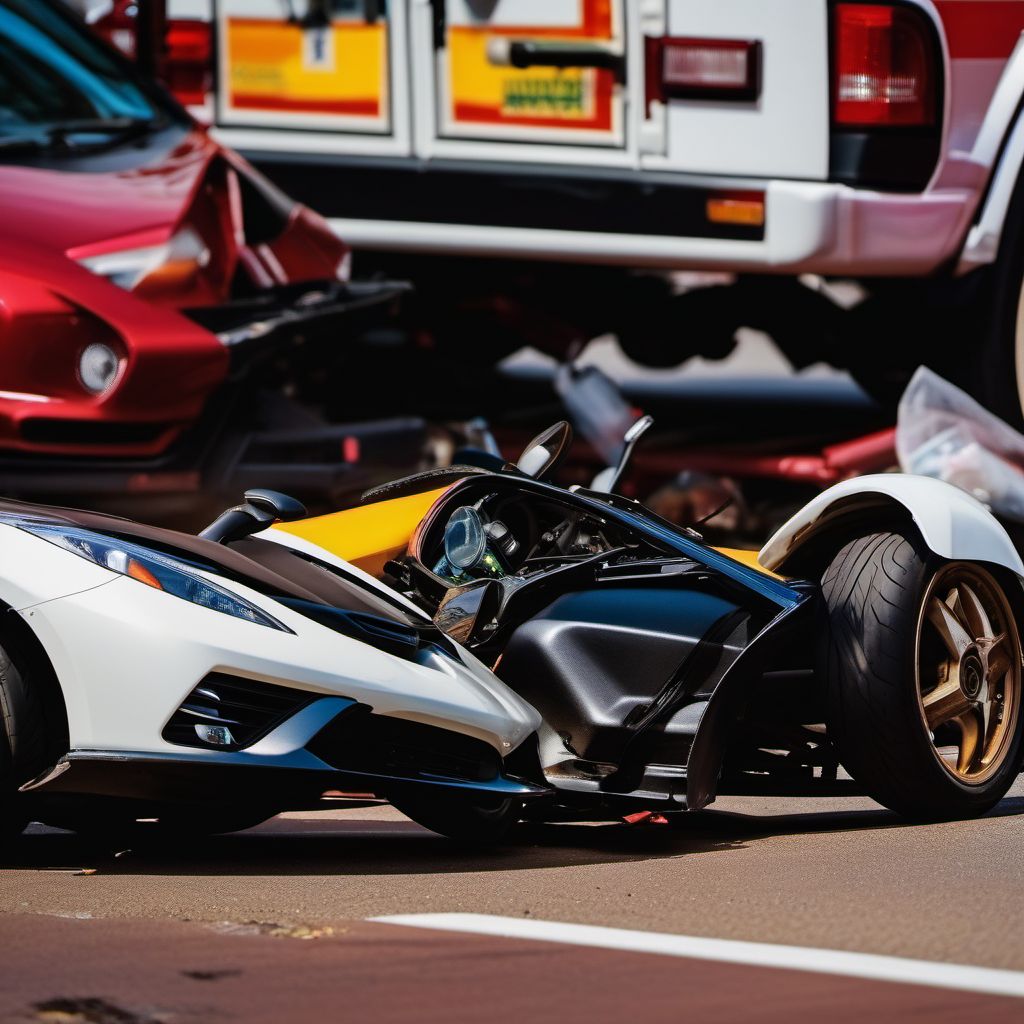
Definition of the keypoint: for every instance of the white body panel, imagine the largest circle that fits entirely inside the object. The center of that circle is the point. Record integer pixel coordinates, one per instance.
(126, 655)
(954, 525)
(289, 540)
(785, 133)
(811, 227)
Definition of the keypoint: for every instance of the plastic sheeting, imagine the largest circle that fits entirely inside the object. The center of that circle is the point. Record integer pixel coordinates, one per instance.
(943, 433)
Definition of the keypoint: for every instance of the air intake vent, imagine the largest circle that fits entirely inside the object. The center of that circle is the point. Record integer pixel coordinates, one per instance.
(229, 713)
(361, 741)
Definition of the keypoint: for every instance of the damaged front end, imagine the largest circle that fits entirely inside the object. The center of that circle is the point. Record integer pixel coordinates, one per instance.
(645, 679)
(663, 669)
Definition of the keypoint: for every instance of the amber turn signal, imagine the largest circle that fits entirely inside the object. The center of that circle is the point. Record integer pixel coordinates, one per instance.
(745, 208)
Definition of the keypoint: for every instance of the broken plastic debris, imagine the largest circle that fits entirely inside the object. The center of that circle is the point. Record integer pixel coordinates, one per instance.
(645, 818)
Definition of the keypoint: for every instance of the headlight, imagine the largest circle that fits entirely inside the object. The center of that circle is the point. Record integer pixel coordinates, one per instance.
(162, 572)
(97, 367)
(164, 266)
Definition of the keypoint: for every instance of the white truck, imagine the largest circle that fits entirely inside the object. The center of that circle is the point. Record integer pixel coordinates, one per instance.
(538, 166)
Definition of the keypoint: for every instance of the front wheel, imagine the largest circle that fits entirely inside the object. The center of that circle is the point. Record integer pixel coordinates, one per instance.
(479, 821)
(923, 664)
(25, 749)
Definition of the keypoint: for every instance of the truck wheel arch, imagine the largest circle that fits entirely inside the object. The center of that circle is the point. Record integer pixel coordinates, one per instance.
(998, 146)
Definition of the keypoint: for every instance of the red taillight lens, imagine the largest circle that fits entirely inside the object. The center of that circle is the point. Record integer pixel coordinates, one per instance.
(703, 69)
(702, 64)
(187, 65)
(884, 67)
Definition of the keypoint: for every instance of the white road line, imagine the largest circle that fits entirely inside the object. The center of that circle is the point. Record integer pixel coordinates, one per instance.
(752, 954)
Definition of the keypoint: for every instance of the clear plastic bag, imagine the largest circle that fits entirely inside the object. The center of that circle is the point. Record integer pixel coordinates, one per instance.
(942, 432)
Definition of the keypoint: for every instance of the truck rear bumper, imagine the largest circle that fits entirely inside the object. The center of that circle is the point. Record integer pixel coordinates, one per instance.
(810, 227)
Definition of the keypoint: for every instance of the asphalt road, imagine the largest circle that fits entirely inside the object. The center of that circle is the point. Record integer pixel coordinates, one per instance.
(284, 907)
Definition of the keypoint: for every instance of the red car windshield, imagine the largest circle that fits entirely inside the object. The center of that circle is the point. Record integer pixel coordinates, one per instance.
(57, 81)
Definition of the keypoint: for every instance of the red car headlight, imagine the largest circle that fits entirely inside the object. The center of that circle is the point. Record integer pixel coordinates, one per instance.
(98, 367)
(176, 263)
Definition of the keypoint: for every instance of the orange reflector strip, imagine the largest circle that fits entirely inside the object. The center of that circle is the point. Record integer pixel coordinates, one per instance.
(139, 572)
(746, 209)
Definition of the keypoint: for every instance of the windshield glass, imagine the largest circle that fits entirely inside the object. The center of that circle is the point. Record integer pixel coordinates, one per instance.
(54, 76)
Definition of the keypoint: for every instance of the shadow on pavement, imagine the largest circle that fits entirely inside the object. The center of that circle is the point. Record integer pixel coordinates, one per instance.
(309, 847)
(755, 826)
(336, 846)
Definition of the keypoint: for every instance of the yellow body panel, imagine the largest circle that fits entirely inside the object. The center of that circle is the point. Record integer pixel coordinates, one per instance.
(489, 99)
(367, 535)
(276, 66)
(747, 558)
(487, 93)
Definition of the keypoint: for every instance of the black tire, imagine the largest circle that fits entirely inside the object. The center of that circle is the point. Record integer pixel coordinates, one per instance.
(985, 353)
(478, 822)
(23, 737)
(873, 593)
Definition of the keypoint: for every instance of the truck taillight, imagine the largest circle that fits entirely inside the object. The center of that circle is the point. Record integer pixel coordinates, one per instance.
(703, 69)
(187, 66)
(884, 67)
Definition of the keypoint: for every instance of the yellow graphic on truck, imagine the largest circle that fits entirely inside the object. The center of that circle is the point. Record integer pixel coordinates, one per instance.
(485, 93)
(564, 96)
(340, 70)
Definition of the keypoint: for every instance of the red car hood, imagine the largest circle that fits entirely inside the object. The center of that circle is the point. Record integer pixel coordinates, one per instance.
(96, 207)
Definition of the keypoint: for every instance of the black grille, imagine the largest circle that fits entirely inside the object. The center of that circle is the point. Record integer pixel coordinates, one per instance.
(45, 430)
(247, 709)
(360, 741)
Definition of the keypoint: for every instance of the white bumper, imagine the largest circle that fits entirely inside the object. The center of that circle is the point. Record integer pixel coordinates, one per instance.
(810, 227)
(127, 655)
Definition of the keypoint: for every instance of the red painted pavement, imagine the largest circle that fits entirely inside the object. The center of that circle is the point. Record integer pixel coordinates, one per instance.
(159, 972)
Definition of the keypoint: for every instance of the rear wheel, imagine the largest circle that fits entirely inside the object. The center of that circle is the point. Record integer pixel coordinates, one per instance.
(922, 660)
(483, 820)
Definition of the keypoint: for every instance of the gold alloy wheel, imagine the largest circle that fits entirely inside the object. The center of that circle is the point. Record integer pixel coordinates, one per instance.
(968, 669)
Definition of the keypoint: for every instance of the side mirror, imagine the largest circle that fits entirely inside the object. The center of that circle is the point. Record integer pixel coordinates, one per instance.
(542, 456)
(260, 509)
(608, 480)
(280, 506)
(466, 612)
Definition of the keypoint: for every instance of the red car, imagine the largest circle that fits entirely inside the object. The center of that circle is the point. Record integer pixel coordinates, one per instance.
(145, 273)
